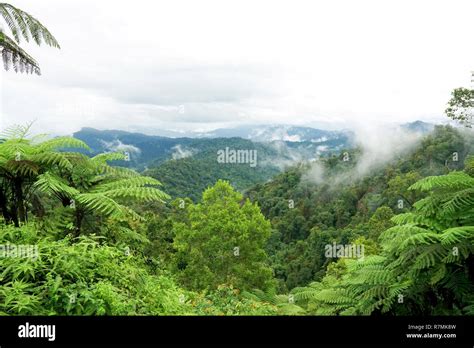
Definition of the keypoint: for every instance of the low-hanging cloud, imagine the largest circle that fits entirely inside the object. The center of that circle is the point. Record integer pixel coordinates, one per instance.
(285, 156)
(179, 152)
(378, 144)
(382, 144)
(117, 145)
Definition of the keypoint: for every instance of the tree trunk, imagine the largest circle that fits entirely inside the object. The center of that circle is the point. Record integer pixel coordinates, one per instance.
(79, 218)
(20, 200)
(3, 206)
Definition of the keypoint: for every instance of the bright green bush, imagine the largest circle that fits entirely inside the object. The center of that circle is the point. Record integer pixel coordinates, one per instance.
(80, 277)
(229, 301)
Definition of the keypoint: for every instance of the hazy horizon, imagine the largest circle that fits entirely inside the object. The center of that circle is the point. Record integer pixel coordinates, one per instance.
(199, 66)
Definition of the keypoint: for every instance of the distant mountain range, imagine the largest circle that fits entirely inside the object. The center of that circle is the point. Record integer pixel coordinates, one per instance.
(286, 142)
(265, 133)
(419, 127)
(171, 159)
(276, 133)
(156, 148)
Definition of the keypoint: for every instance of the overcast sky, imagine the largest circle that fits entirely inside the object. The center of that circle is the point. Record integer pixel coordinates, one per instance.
(146, 65)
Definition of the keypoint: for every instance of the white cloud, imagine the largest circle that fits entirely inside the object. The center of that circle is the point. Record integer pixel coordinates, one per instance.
(378, 145)
(321, 63)
(117, 145)
(179, 152)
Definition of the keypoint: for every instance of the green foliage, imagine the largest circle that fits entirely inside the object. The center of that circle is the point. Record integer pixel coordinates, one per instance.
(342, 207)
(461, 106)
(222, 242)
(108, 243)
(283, 303)
(119, 274)
(23, 160)
(190, 176)
(425, 266)
(84, 276)
(80, 277)
(92, 188)
(226, 300)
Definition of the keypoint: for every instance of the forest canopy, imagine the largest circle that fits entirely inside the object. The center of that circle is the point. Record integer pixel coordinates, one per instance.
(106, 240)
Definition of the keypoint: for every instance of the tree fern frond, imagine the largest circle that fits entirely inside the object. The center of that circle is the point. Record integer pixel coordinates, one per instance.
(108, 156)
(451, 181)
(373, 275)
(132, 182)
(305, 294)
(428, 206)
(420, 238)
(371, 260)
(416, 219)
(395, 236)
(25, 24)
(428, 257)
(100, 203)
(16, 132)
(118, 172)
(60, 143)
(145, 194)
(438, 275)
(377, 291)
(457, 235)
(52, 158)
(126, 234)
(53, 184)
(458, 282)
(25, 168)
(469, 310)
(14, 55)
(132, 214)
(290, 309)
(334, 296)
(460, 201)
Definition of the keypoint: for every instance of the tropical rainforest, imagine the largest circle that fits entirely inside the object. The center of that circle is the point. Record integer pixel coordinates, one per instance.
(82, 233)
(108, 241)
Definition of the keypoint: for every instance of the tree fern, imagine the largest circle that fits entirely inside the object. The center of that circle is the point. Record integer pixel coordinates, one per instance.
(22, 160)
(93, 187)
(451, 181)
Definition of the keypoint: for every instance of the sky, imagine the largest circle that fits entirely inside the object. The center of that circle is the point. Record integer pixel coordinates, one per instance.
(198, 65)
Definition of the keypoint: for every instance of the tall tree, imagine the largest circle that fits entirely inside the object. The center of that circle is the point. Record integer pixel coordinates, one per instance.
(461, 106)
(222, 242)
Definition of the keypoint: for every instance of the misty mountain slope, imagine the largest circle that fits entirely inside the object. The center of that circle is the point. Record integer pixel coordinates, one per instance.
(332, 200)
(190, 176)
(146, 148)
(187, 166)
(142, 148)
(268, 133)
(419, 127)
(150, 150)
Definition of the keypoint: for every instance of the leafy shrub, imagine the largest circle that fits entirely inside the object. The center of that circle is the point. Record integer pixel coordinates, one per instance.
(80, 277)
